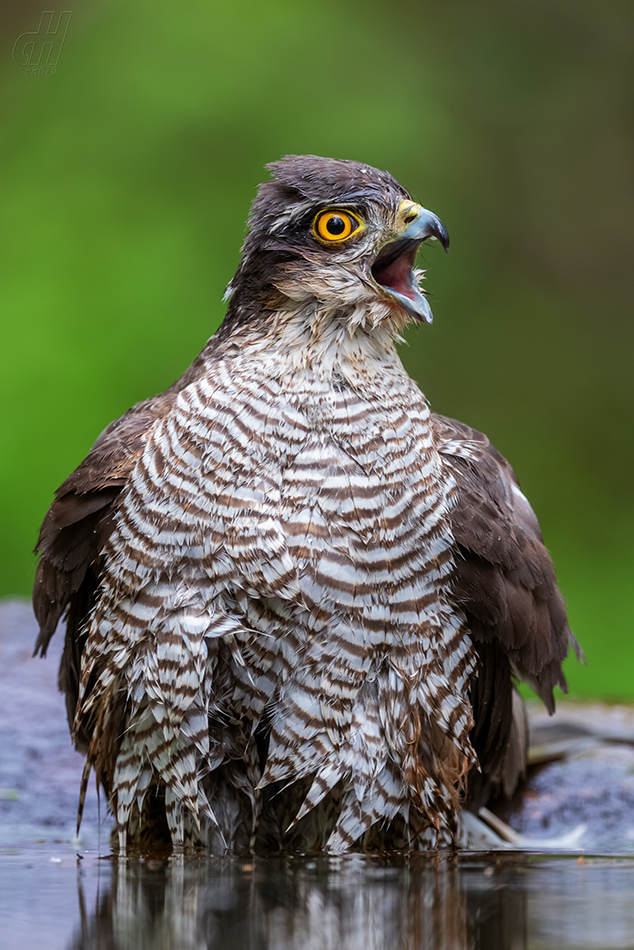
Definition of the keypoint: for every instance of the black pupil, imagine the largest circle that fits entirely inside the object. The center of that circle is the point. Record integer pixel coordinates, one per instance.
(335, 225)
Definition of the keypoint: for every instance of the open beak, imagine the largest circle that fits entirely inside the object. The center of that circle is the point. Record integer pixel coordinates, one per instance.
(393, 268)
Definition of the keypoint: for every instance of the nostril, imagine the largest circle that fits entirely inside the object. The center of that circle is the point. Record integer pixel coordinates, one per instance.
(410, 216)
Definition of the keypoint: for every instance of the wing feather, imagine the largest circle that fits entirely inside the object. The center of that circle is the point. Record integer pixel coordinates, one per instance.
(80, 519)
(505, 582)
(74, 532)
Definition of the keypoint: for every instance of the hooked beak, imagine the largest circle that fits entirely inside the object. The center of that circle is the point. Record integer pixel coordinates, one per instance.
(393, 267)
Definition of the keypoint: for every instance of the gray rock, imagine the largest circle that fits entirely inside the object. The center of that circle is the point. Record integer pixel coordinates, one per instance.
(40, 772)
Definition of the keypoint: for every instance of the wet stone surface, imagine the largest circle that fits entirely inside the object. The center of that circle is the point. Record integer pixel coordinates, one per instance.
(582, 774)
(40, 772)
(595, 789)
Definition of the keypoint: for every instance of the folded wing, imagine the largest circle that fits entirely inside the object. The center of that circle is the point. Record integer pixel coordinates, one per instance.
(505, 582)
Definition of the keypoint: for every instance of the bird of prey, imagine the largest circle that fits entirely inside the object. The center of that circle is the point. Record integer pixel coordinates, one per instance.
(296, 600)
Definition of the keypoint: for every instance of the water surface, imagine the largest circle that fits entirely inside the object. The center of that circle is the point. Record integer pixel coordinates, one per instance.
(495, 902)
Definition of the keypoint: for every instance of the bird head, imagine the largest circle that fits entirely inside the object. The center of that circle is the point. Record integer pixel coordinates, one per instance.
(337, 238)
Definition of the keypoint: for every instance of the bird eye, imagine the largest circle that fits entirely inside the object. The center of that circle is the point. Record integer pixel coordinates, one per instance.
(335, 225)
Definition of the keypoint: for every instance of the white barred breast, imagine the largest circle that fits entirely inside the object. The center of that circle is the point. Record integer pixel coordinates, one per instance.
(280, 562)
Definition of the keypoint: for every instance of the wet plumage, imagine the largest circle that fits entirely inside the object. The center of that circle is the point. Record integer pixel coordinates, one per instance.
(295, 598)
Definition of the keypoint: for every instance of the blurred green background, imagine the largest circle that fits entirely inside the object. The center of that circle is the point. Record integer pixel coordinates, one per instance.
(126, 178)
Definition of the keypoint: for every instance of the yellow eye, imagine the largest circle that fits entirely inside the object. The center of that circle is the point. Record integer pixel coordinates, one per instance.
(335, 225)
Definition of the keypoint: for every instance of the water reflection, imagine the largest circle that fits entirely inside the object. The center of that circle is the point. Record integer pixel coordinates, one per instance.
(361, 903)
(322, 903)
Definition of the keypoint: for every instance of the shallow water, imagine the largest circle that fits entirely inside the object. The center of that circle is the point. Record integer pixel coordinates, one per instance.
(53, 899)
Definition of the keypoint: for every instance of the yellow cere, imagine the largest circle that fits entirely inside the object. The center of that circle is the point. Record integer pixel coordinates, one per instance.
(409, 211)
(335, 225)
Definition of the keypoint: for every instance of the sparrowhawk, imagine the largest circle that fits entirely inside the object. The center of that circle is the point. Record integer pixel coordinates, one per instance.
(296, 599)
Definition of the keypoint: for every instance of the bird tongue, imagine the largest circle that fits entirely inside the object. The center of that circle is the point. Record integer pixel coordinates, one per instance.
(393, 268)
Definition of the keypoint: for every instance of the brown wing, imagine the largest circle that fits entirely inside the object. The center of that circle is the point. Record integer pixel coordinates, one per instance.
(74, 532)
(505, 582)
(78, 523)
